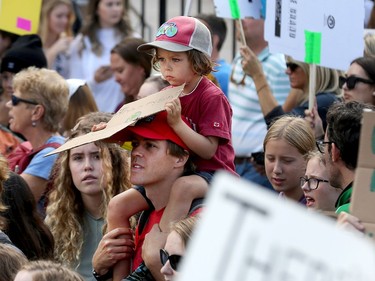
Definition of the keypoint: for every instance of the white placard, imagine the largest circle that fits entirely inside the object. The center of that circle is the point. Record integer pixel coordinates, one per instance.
(340, 23)
(248, 233)
(248, 8)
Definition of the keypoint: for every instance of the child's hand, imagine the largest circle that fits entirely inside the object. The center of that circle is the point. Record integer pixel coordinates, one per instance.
(173, 109)
(98, 127)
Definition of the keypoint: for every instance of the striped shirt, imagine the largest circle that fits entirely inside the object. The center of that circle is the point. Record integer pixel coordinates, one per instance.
(248, 125)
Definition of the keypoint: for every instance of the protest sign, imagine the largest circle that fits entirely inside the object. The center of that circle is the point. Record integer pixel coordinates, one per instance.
(249, 233)
(126, 116)
(20, 16)
(323, 32)
(363, 196)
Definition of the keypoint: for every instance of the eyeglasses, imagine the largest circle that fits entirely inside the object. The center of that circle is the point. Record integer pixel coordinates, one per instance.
(292, 66)
(16, 100)
(174, 260)
(320, 145)
(351, 81)
(312, 183)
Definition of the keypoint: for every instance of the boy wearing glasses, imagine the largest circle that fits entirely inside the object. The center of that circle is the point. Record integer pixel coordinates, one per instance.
(319, 194)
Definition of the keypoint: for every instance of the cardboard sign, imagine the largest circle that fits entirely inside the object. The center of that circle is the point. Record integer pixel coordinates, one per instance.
(127, 115)
(20, 16)
(316, 31)
(362, 204)
(366, 152)
(248, 233)
(235, 9)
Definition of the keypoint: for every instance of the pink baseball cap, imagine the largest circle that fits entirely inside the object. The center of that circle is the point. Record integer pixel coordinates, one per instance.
(153, 127)
(181, 34)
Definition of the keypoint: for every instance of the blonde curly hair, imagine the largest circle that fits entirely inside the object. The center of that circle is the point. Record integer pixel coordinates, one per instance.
(65, 208)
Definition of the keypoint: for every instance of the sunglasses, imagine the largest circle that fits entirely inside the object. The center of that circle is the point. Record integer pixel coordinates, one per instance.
(292, 66)
(16, 100)
(351, 81)
(174, 260)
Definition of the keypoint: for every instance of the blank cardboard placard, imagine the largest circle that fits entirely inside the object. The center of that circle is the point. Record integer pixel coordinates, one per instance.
(126, 116)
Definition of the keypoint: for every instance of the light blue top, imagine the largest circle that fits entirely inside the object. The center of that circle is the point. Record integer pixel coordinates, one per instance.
(248, 125)
(41, 166)
(222, 75)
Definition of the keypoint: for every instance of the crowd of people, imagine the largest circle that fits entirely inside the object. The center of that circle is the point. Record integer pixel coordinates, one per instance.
(102, 212)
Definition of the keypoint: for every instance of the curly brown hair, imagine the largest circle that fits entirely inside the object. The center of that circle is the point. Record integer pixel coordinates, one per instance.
(65, 209)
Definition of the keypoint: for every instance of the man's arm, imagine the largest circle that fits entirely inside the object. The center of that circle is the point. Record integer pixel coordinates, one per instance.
(154, 241)
(111, 249)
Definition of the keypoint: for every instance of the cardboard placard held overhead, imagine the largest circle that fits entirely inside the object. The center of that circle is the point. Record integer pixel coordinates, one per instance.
(20, 16)
(363, 197)
(248, 233)
(126, 116)
(316, 31)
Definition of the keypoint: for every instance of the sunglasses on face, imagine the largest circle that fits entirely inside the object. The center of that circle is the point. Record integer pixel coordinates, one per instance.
(16, 100)
(351, 81)
(292, 66)
(174, 260)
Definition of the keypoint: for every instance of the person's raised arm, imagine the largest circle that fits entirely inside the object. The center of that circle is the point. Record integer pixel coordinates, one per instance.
(204, 147)
(252, 67)
(154, 241)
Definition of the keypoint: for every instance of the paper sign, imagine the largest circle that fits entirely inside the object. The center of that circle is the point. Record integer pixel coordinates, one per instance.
(20, 16)
(234, 9)
(127, 115)
(316, 31)
(248, 233)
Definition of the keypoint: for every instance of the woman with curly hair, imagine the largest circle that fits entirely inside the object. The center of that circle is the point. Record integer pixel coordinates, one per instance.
(86, 179)
(107, 24)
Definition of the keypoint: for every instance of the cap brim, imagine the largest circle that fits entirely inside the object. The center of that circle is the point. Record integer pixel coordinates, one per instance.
(128, 133)
(169, 46)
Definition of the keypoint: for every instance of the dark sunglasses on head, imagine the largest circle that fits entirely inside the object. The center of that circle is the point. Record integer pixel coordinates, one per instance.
(351, 81)
(292, 66)
(16, 100)
(174, 260)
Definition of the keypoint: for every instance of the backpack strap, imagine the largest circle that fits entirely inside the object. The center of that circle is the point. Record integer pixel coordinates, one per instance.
(50, 144)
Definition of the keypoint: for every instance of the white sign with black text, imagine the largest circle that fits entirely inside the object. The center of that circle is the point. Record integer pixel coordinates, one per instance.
(337, 24)
(248, 233)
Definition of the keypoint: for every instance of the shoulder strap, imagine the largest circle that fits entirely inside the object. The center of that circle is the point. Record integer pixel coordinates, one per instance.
(25, 161)
(50, 144)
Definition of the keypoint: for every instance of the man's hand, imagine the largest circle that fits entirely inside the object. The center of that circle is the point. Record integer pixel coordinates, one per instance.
(111, 249)
(350, 222)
